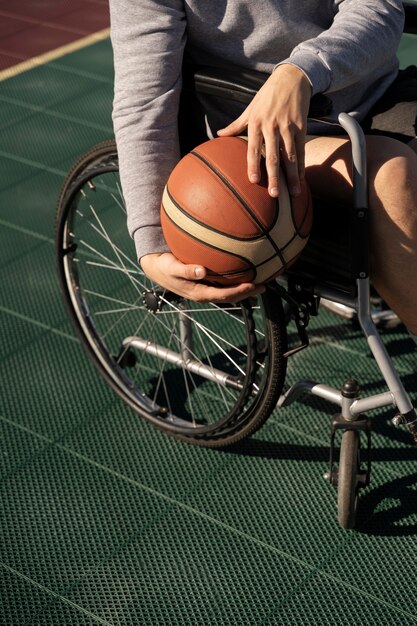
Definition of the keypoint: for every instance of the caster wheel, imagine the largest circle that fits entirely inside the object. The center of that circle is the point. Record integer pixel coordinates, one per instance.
(348, 479)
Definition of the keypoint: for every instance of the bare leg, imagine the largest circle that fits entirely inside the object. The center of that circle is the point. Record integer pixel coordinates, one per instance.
(392, 170)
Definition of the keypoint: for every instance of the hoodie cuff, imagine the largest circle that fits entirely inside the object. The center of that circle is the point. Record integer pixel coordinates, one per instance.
(314, 67)
(149, 240)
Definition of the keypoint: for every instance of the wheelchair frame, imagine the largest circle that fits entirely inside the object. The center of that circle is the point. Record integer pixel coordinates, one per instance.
(298, 287)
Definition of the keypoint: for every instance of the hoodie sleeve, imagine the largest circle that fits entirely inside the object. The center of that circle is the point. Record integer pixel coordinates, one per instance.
(361, 38)
(148, 38)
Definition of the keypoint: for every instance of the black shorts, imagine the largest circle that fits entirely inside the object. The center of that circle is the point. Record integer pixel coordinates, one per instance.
(395, 114)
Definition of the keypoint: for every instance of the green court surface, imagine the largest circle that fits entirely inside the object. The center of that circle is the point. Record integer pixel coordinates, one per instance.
(105, 520)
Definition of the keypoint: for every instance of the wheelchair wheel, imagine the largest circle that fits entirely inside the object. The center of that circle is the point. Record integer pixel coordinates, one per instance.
(204, 373)
(347, 484)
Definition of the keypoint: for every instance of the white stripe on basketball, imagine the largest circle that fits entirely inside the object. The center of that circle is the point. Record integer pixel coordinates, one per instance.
(284, 229)
(257, 250)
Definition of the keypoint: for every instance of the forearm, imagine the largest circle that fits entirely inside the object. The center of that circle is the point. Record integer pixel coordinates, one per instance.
(146, 158)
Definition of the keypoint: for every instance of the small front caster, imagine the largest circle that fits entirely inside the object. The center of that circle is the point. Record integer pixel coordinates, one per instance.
(348, 481)
(349, 476)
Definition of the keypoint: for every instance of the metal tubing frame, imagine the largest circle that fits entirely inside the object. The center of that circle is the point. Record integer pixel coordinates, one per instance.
(396, 395)
(189, 364)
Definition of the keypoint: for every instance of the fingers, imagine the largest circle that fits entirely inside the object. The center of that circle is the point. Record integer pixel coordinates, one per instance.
(276, 120)
(236, 127)
(272, 161)
(278, 150)
(184, 280)
(300, 142)
(188, 277)
(286, 146)
(255, 141)
(206, 293)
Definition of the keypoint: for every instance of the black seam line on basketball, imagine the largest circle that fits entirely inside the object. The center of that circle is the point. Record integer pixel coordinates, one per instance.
(296, 234)
(268, 260)
(289, 242)
(277, 217)
(296, 228)
(211, 228)
(251, 267)
(285, 265)
(244, 204)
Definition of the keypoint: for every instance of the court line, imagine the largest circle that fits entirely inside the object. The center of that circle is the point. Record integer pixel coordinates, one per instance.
(35, 164)
(33, 108)
(311, 569)
(38, 323)
(26, 231)
(55, 595)
(41, 59)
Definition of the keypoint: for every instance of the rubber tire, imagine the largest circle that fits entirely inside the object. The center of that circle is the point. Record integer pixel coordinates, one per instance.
(347, 484)
(276, 327)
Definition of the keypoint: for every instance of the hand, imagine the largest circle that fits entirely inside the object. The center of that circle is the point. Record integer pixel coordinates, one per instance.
(277, 117)
(184, 280)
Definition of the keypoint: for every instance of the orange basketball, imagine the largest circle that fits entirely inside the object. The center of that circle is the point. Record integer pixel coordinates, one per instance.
(213, 216)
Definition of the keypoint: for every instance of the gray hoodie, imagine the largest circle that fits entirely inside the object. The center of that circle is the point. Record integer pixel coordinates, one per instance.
(347, 49)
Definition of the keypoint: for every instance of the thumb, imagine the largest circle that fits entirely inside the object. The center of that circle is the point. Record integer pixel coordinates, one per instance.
(193, 272)
(171, 266)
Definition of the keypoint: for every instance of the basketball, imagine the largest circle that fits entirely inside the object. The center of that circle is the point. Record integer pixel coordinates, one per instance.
(213, 216)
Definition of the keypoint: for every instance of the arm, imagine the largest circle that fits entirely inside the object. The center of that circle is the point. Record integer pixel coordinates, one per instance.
(148, 38)
(361, 41)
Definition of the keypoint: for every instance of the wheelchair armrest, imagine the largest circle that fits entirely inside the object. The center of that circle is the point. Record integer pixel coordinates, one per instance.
(410, 25)
(242, 85)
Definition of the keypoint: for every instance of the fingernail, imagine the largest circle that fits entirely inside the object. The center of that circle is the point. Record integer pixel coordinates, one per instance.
(198, 272)
(273, 191)
(253, 178)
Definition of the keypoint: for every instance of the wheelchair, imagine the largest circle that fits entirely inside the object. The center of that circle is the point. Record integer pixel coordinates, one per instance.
(210, 374)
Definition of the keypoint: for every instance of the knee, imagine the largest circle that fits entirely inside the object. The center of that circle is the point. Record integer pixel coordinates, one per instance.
(392, 169)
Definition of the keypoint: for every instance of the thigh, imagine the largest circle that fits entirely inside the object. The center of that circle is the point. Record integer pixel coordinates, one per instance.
(329, 163)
